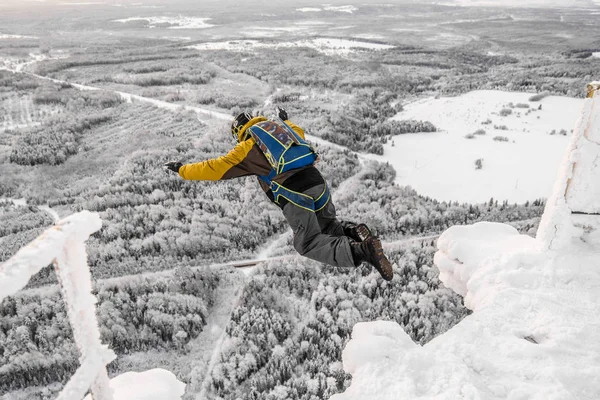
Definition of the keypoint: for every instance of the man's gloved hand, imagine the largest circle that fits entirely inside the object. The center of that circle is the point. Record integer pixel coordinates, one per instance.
(173, 166)
(282, 113)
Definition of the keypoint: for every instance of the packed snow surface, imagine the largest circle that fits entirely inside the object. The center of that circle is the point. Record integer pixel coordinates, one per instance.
(533, 335)
(154, 384)
(180, 22)
(519, 152)
(329, 46)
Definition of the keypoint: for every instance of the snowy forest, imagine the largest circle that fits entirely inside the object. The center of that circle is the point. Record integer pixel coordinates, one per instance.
(65, 149)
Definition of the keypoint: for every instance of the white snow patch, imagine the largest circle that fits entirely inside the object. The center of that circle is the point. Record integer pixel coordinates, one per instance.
(8, 36)
(534, 332)
(327, 46)
(596, 54)
(343, 27)
(407, 30)
(154, 384)
(441, 164)
(345, 9)
(308, 9)
(180, 22)
(177, 38)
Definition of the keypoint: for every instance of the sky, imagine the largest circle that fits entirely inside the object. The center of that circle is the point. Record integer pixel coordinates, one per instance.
(494, 3)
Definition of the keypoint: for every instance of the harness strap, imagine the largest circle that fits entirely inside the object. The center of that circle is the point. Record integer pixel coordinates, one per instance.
(300, 199)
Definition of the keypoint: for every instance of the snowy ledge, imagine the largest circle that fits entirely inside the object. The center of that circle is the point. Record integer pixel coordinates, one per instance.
(534, 332)
(154, 384)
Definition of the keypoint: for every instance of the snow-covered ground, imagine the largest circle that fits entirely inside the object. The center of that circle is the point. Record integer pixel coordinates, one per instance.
(442, 164)
(329, 46)
(180, 22)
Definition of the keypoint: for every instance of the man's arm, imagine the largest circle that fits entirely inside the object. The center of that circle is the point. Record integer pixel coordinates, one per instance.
(224, 167)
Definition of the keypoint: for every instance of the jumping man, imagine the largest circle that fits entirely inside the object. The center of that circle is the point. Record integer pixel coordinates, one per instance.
(277, 153)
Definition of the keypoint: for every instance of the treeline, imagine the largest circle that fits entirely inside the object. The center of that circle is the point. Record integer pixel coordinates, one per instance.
(60, 136)
(19, 225)
(108, 56)
(287, 336)
(55, 140)
(36, 343)
(175, 76)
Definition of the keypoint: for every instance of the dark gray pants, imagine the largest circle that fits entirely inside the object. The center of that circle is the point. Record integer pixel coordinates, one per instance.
(319, 236)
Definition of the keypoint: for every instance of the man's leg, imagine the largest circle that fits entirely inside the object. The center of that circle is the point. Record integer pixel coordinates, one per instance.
(311, 242)
(332, 226)
(328, 221)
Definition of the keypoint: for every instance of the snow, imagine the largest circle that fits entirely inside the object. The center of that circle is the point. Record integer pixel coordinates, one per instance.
(596, 54)
(7, 36)
(344, 9)
(441, 164)
(180, 22)
(329, 46)
(535, 326)
(533, 333)
(576, 188)
(154, 384)
(308, 9)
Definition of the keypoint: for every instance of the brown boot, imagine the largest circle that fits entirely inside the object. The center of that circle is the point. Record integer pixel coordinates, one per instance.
(370, 251)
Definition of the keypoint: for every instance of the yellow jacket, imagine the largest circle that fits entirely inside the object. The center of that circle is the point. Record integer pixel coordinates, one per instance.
(244, 159)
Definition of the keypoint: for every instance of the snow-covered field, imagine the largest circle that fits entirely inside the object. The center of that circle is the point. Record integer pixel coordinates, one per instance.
(180, 22)
(329, 46)
(442, 164)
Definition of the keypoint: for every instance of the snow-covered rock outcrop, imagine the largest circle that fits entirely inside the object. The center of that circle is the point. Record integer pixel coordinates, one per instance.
(154, 384)
(535, 327)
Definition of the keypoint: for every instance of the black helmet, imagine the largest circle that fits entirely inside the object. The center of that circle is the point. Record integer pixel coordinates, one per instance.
(238, 124)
